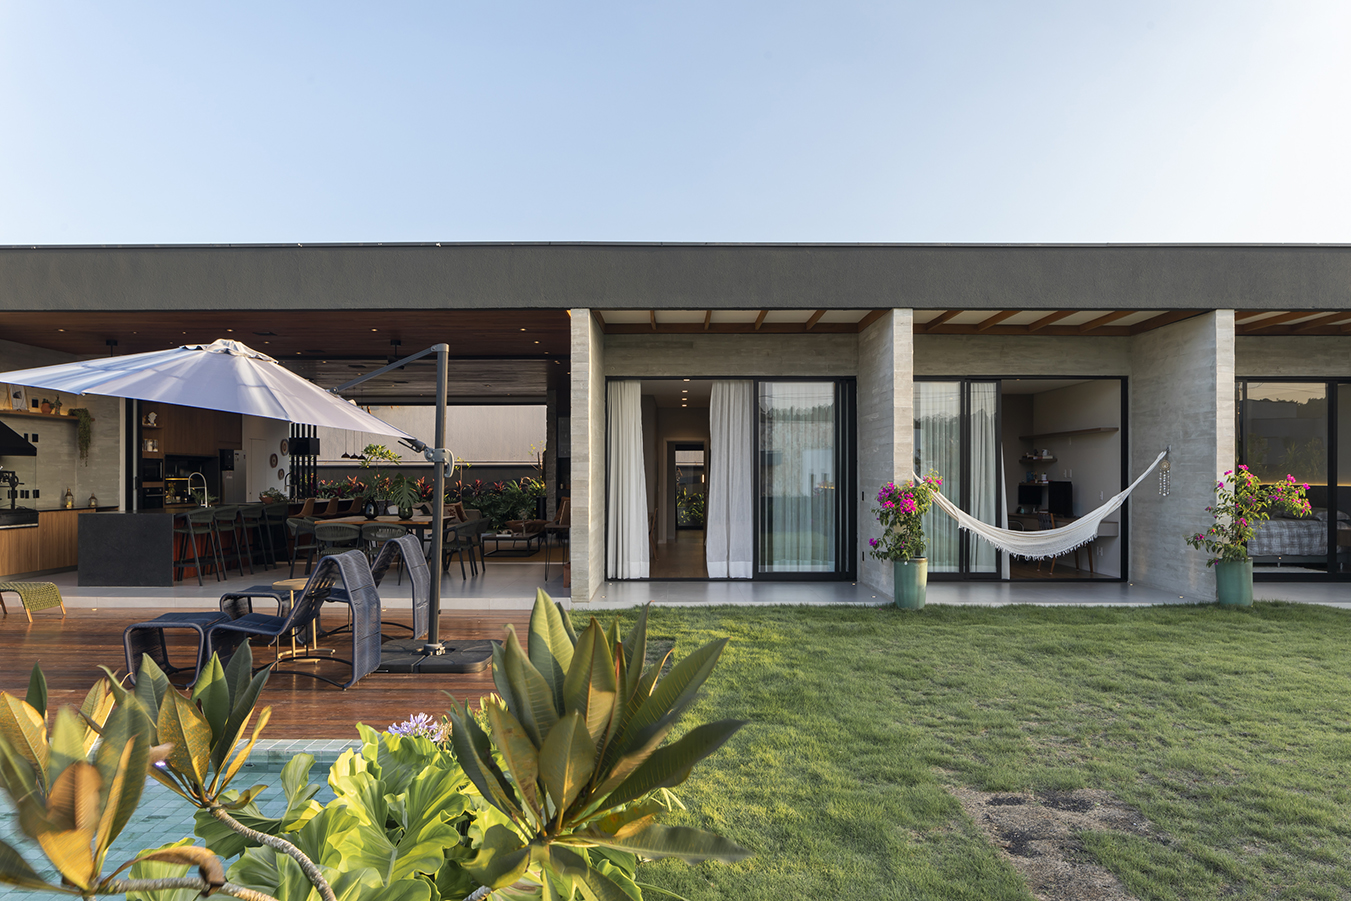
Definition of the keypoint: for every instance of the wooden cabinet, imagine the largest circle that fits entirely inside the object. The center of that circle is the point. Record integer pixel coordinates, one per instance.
(190, 431)
(52, 544)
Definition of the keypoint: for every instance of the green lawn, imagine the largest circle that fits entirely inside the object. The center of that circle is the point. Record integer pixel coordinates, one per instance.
(1227, 729)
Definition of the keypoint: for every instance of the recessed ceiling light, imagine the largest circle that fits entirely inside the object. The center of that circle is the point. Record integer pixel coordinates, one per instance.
(684, 391)
(60, 330)
(375, 330)
(687, 380)
(229, 330)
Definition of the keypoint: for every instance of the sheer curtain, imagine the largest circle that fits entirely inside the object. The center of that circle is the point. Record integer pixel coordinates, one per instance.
(938, 446)
(728, 522)
(626, 525)
(797, 474)
(984, 469)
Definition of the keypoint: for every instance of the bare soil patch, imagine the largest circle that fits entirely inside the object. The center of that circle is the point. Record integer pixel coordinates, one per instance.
(1038, 834)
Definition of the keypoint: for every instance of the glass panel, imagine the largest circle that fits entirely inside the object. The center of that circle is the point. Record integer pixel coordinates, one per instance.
(984, 470)
(797, 477)
(690, 489)
(938, 446)
(1343, 504)
(1286, 432)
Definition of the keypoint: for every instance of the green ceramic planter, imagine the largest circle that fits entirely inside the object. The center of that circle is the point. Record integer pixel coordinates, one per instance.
(1233, 583)
(911, 578)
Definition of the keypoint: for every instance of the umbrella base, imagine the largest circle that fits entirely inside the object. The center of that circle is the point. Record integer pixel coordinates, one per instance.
(405, 656)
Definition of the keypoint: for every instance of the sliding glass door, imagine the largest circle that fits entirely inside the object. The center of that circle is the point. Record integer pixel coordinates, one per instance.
(803, 436)
(957, 436)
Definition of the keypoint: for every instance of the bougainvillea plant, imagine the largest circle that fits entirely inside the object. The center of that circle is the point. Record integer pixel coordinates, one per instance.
(900, 510)
(1242, 503)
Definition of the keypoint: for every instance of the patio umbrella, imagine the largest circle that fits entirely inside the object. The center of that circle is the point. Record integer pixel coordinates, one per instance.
(223, 375)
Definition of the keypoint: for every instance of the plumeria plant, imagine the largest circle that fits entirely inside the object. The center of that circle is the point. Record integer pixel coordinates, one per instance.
(1242, 503)
(899, 510)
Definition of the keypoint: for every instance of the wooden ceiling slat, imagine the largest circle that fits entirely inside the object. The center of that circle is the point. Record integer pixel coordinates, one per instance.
(1051, 319)
(731, 328)
(1108, 319)
(1274, 320)
(938, 320)
(992, 321)
(815, 318)
(870, 319)
(760, 320)
(652, 314)
(1319, 322)
(708, 317)
(1161, 320)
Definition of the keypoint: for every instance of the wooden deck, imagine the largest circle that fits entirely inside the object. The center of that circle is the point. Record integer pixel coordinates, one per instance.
(72, 648)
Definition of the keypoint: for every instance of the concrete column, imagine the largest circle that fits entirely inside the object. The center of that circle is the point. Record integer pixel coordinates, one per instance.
(886, 430)
(1181, 394)
(587, 533)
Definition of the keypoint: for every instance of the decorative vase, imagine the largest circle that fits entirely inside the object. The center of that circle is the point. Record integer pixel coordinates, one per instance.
(911, 576)
(371, 510)
(1233, 582)
(46, 407)
(405, 513)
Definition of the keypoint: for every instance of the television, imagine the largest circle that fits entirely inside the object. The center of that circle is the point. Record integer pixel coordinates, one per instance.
(1060, 498)
(1029, 496)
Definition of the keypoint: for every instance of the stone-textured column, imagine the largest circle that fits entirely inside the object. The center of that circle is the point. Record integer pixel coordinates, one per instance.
(587, 533)
(1181, 394)
(886, 429)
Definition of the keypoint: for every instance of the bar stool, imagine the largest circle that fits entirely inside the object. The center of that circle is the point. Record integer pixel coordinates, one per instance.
(195, 523)
(275, 515)
(302, 539)
(256, 534)
(227, 523)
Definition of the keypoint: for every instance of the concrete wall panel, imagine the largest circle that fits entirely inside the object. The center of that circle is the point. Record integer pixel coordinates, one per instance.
(1313, 356)
(1000, 355)
(734, 356)
(587, 533)
(885, 426)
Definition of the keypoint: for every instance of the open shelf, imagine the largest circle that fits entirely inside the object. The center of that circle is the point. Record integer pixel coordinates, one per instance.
(50, 417)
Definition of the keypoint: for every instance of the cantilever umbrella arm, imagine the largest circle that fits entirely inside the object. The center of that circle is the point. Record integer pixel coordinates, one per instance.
(438, 455)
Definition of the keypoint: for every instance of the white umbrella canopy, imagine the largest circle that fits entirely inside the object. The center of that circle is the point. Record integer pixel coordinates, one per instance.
(223, 375)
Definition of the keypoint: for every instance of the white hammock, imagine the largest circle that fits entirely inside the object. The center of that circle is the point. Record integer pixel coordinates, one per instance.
(1047, 542)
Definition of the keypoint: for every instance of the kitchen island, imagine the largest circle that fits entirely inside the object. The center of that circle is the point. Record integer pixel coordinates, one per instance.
(127, 549)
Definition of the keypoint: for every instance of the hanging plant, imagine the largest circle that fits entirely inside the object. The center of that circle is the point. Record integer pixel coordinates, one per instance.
(84, 432)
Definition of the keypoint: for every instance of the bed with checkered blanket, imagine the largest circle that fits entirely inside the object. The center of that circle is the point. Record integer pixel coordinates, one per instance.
(1294, 537)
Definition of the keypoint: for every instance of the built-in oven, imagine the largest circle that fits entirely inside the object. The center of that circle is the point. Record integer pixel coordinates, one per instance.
(152, 498)
(152, 469)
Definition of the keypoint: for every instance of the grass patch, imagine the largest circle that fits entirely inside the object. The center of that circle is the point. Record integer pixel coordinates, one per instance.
(1227, 729)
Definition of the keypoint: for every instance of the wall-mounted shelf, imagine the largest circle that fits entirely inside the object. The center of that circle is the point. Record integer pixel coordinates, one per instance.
(1073, 433)
(50, 417)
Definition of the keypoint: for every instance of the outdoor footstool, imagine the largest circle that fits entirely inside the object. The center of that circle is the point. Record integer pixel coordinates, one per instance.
(33, 596)
(148, 638)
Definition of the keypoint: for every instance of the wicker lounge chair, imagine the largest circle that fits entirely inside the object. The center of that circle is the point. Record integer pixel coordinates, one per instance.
(419, 575)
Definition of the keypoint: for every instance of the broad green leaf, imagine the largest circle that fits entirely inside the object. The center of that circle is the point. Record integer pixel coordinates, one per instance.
(405, 890)
(566, 620)
(238, 672)
(502, 858)
(37, 690)
(273, 873)
(232, 770)
(520, 755)
(671, 765)
(151, 684)
(96, 708)
(635, 652)
(549, 644)
(121, 794)
(355, 885)
(673, 694)
(212, 696)
(589, 688)
(115, 685)
(67, 742)
(321, 838)
(161, 869)
(616, 744)
(66, 833)
(181, 724)
(610, 883)
(14, 870)
(18, 777)
(500, 681)
(244, 702)
(475, 754)
(692, 845)
(566, 761)
(536, 707)
(26, 732)
(295, 783)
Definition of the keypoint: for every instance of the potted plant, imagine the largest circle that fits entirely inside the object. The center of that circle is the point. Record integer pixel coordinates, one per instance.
(272, 496)
(899, 510)
(1242, 503)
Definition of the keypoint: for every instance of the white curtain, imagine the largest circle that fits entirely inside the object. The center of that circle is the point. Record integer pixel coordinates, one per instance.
(729, 521)
(984, 407)
(626, 526)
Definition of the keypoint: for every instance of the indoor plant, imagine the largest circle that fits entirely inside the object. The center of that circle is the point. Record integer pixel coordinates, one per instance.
(1242, 502)
(899, 510)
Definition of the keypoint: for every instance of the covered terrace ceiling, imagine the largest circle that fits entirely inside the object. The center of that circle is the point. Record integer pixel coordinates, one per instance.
(495, 357)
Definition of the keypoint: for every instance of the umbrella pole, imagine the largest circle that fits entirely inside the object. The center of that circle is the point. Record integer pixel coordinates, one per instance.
(434, 645)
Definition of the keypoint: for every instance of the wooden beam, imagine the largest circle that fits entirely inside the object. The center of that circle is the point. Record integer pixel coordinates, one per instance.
(1321, 321)
(1245, 318)
(708, 317)
(653, 315)
(815, 318)
(1105, 320)
(760, 320)
(994, 320)
(1047, 320)
(939, 320)
(871, 318)
(599, 317)
(729, 328)
(1162, 319)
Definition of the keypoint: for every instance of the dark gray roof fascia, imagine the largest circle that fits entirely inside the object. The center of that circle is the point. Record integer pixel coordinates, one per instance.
(675, 276)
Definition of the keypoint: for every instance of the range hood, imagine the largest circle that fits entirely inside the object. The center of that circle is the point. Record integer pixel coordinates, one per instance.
(13, 445)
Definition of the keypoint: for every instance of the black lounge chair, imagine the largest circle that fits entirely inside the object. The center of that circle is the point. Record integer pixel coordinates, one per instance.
(357, 588)
(419, 575)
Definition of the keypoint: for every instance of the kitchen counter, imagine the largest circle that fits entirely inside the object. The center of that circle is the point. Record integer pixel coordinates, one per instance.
(127, 549)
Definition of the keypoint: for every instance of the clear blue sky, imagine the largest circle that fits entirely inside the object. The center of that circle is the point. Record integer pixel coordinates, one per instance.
(691, 121)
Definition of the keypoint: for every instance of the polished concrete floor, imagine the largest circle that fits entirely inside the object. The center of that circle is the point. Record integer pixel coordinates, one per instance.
(507, 586)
